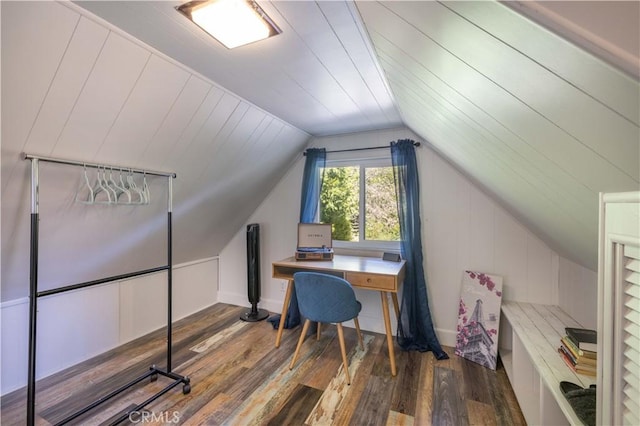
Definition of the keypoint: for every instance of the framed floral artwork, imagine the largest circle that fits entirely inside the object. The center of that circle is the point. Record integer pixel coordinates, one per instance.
(479, 318)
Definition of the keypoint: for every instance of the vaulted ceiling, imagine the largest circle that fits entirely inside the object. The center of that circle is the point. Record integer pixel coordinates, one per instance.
(320, 74)
(543, 116)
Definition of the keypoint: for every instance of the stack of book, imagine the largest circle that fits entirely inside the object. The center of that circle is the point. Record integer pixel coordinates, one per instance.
(579, 350)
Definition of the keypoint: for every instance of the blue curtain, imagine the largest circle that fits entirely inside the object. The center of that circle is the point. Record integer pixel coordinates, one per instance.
(415, 328)
(312, 179)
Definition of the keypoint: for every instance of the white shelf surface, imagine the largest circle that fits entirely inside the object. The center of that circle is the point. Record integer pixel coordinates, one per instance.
(539, 328)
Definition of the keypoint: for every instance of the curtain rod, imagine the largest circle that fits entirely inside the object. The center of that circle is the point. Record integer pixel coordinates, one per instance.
(416, 144)
(26, 156)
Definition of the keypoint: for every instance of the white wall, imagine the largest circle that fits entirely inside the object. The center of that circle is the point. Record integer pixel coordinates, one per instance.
(578, 293)
(277, 217)
(78, 325)
(463, 229)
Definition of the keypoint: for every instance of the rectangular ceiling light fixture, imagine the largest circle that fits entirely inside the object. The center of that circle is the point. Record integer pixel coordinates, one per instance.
(232, 22)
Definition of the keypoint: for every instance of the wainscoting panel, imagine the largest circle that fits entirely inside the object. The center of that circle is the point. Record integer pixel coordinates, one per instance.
(73, 327)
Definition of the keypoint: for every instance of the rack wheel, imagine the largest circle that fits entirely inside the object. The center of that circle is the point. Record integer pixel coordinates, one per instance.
(153, 377)
(186, 389)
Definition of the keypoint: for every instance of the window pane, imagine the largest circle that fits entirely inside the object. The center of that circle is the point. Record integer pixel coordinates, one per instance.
(381, 210)
(339, 202)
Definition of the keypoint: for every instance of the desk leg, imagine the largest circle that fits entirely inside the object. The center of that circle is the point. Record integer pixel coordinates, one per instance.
(394, 298)
(285, 308)
(387, 326)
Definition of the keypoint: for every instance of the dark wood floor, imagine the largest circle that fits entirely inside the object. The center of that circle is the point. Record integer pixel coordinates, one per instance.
(238, 377)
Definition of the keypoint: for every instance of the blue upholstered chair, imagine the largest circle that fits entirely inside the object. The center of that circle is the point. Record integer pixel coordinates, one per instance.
(329, 299)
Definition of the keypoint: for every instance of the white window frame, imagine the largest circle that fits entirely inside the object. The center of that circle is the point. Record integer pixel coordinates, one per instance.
(362, 244)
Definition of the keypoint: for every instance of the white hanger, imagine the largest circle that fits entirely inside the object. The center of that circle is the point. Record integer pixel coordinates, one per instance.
(109, 190)
(100, 188)
(134, 188)
(145, 189)
(86, 184)
(107, 185)
(117, 190)
(124, 189)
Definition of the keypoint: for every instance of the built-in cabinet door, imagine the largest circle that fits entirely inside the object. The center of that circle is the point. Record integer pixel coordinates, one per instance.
(618, 391)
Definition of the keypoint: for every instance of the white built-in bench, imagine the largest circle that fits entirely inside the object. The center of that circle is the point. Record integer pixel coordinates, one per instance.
(529, 341)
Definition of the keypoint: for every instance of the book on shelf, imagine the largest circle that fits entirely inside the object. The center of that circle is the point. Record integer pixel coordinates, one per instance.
(586, 370)
(586, 357)
(584, 338)
(567, 353)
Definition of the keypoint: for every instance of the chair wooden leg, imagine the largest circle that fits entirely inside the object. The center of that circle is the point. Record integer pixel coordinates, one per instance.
(305, 327)
(343, 349)
(355, 320)
(318, 332)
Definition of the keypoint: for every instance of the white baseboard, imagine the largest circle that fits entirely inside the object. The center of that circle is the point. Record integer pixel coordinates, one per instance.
(368, 319)
(367, 322)
(446, 337)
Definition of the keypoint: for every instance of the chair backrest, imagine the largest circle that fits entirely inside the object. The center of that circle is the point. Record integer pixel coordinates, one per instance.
(325, 298)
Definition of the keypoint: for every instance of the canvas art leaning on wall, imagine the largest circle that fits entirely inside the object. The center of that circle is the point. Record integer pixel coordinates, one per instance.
(479, 318)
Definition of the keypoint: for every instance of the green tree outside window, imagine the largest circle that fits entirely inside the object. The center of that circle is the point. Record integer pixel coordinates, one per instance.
(340, 202)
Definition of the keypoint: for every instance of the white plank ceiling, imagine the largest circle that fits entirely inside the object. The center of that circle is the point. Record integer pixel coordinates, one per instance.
(536, 121)
(539, 123)
(83, 90)
(320, 74)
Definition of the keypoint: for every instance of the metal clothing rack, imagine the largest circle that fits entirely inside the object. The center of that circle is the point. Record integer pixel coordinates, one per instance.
(34, 294)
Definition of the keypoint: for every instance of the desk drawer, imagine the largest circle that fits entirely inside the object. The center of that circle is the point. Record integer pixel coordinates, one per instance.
(375, 282)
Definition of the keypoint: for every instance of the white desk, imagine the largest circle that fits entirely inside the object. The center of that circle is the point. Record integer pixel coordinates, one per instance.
(367, 273)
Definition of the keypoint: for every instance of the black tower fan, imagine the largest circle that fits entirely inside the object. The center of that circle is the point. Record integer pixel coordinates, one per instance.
(253, 275)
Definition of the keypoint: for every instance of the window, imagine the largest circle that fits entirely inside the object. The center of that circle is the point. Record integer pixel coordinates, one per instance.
(358, 198)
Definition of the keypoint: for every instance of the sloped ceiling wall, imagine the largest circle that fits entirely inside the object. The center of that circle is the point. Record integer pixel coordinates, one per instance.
(319, 74)
(609, 29)
(535, 119)
(85, 91)
(539, 123)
